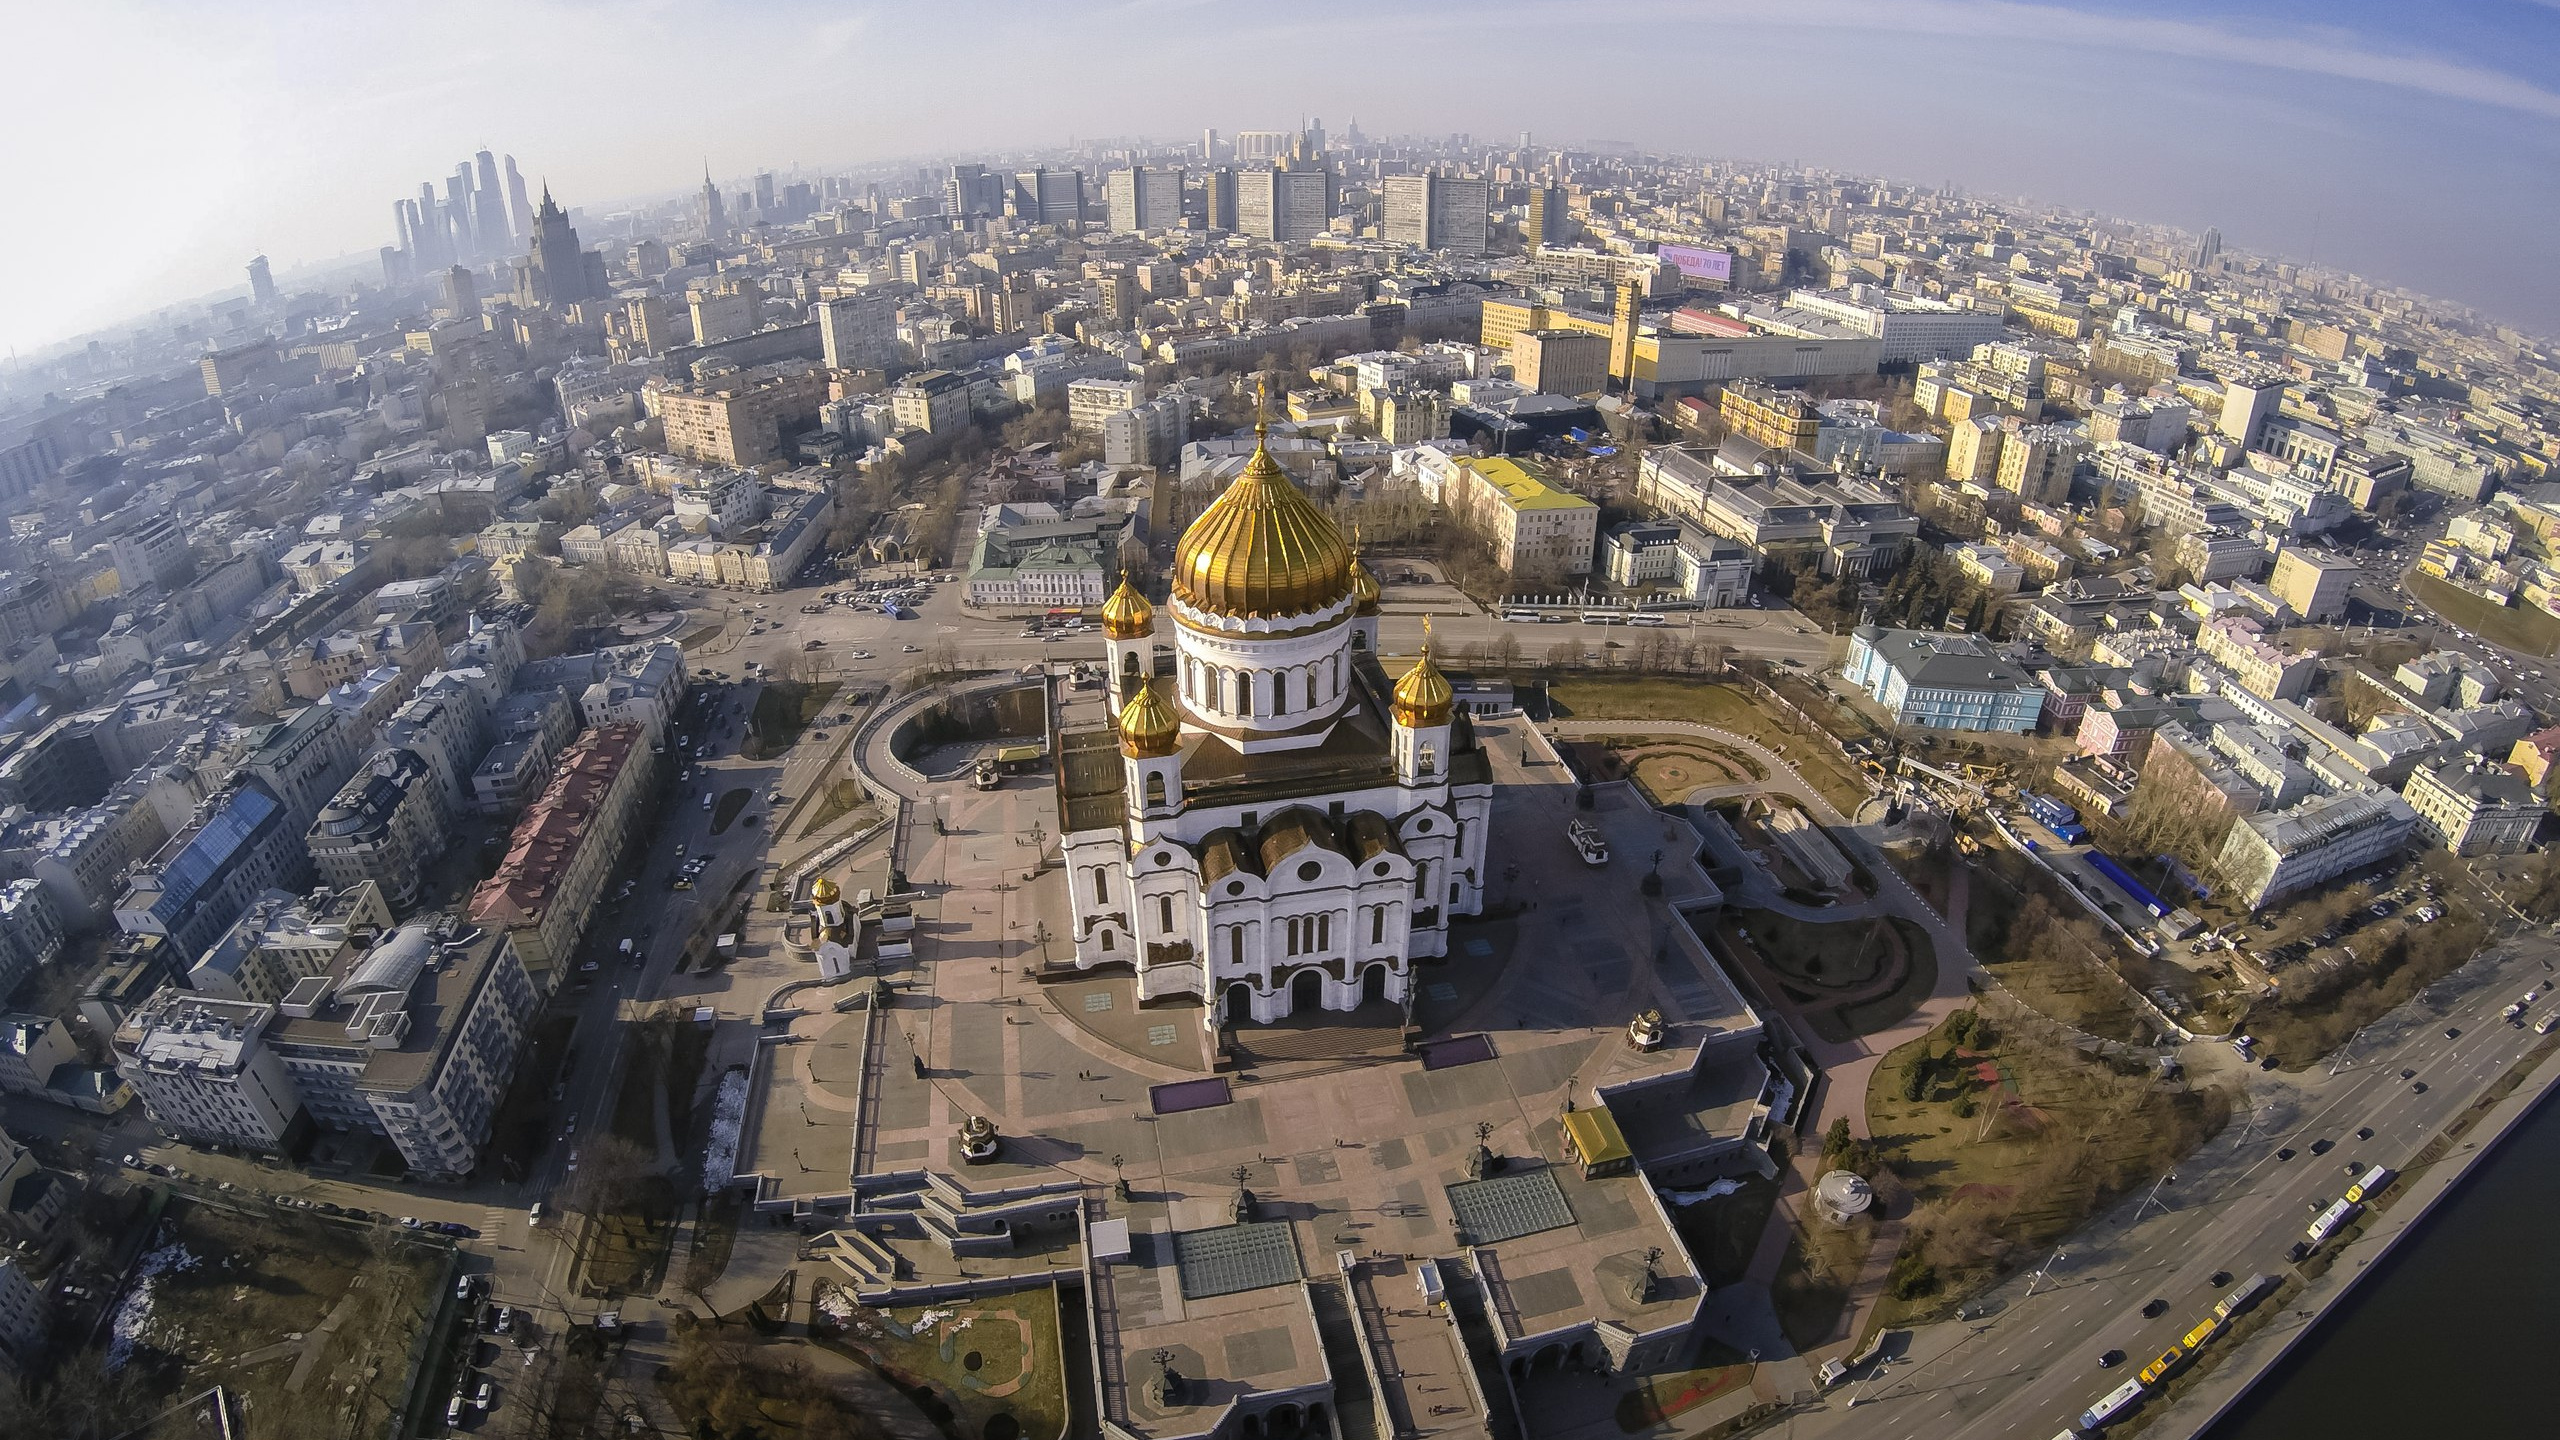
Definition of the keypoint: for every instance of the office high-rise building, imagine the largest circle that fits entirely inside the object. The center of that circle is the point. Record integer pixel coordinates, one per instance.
(1208, 147)
(1143, 198)
(1287, 206)
(1049, 197)
(262, 284)
(859, 332)
(1437, 212)
(554, 272)
(489, 208)
(457, 214)
(2247, 405)
(461, 294)
(972, 192)
(713, 214)
(1549, 222)
(1218, 196)
(764, 192)
(519, 213)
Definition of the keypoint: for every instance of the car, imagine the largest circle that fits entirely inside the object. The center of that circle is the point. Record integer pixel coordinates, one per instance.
(453, 1410)
(2268, 1063)
(573, 1157)
(2408, 1074)
(2297, 1250)
(2219, 1278)
(2453, 1032)
(2417, 1087)
(2323, 1147)
(586, 967)
(910, 649)
(2110, 1360)
(408, 1222)
(2155, 1308)
(481, 1396)
(2364, 1132)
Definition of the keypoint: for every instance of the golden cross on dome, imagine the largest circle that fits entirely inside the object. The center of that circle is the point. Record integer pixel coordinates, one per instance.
(1261, 407)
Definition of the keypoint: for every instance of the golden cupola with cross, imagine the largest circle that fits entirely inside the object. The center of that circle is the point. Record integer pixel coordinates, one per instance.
(1262, 550)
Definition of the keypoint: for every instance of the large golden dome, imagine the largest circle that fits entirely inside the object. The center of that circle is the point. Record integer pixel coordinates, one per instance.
(1127, 615)
(1263, 549)
(1150, 727)
(1423, 696)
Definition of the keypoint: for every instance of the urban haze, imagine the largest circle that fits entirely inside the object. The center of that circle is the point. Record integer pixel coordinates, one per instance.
(778, 722)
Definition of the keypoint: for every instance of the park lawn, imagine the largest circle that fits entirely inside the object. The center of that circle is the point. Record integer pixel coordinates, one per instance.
(839, 800)
(2064, 978)
(2516, 627)
(263, 1278)
(783, 709)
(2014, 1143)
(1812, 1288)
(985, 1358)
(1668, 767)
(724, 813)
(1726, 707)
(1724, 1233)
(624, 1251)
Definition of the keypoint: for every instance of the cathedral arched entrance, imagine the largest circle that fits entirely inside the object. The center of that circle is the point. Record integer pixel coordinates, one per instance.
(1373, 984)
(1239, 1003)
(1306, 990)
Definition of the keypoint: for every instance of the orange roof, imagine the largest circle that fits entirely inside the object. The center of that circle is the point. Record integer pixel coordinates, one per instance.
(548, 835)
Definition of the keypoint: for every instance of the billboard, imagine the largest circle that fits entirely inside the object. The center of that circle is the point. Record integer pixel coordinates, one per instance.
(1698, 264)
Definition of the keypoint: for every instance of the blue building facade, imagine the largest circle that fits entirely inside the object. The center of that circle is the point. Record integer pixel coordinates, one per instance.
(1941, 681)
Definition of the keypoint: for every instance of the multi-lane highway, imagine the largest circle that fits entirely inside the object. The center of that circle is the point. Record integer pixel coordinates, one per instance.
(2027, 1364)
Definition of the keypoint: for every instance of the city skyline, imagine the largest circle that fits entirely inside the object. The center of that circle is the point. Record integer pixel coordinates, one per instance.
(281, 131)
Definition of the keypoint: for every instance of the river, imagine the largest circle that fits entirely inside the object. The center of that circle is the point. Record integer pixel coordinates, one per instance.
(2449, 1336)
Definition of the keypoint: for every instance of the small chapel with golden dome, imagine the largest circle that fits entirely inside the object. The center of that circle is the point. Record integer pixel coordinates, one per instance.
(1271, 824)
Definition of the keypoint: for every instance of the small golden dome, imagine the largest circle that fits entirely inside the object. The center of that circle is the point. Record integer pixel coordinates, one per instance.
(1127, 615)
(824, 892)
(1364, 588)
(1149, 725)
(1423, 696)
(1262, 549)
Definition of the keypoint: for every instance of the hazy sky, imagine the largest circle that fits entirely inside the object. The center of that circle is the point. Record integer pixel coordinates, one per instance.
(151, 148)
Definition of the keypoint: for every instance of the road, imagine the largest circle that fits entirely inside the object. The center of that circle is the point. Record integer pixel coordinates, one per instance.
(2027, 1366)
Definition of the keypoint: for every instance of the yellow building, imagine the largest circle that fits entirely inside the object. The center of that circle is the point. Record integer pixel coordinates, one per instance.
(1506, 318)
(738, 420)
(1779, 419)
(1560, 362)
(1535, 528)
(1973, 451)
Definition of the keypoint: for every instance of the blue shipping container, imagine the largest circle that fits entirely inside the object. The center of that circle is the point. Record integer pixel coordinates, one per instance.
(2124, 881)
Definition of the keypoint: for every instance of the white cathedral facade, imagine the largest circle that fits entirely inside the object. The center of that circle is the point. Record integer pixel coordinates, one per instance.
(1285, 831)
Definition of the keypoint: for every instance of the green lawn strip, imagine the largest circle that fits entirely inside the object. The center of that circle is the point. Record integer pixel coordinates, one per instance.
(783, 709)
(1725, 707)
(840, 799)
(2516, 627)
(2011, 1145)
(724, 812)
(1012, 1338)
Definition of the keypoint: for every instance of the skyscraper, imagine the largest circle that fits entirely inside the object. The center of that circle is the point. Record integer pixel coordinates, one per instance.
(489, 208)
(1143, 198)
(1219, 194)
(1208, 147)
(1289, 206)
(519, 214)
(1437, 212)
(713, 214)
(1049, 197)
(555, 270)
(764, 194)
(262, 285)
(971, 192)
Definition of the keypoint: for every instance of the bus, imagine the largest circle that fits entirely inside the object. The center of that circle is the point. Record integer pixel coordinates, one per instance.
(2371, 1183)
(1641, 618)
(1520, 616)
(2251, 1291)
(1601, 617)
(2113, 1406)
(2205, 1330)
(2330, 1221)
(1019, 759)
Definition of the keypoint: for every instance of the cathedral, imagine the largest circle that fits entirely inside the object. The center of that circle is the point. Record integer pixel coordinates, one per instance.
(1271, 824)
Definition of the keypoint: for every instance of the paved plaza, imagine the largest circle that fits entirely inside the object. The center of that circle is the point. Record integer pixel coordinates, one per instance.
(1349, 1150)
